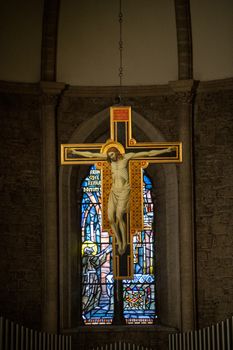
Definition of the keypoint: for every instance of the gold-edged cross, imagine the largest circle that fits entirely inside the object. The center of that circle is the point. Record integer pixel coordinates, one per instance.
(121, 134)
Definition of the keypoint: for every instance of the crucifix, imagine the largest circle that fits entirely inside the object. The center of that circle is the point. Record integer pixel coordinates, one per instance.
(121, 160)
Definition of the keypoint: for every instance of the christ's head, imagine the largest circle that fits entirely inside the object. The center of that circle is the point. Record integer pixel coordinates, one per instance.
(113, 154)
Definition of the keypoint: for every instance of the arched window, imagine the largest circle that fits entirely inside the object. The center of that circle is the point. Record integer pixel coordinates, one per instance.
(168, 297)
(97, 277)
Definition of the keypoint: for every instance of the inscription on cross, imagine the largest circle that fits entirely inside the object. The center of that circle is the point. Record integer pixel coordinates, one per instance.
(121, 160)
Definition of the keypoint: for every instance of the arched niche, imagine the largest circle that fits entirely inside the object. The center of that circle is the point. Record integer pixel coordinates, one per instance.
(165, 179)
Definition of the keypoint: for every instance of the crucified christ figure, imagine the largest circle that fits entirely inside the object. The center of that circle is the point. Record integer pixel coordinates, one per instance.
(120, 191)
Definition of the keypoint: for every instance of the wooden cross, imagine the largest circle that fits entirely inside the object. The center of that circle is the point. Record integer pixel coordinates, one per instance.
(121, 134)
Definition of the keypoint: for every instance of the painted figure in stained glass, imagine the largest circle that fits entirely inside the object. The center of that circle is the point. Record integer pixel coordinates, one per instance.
(120, 191)
(91, 261)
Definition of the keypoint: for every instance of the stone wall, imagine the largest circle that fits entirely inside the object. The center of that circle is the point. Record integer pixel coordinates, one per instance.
(214, 203)
(161, 111)
(20, 209)
(21, 192)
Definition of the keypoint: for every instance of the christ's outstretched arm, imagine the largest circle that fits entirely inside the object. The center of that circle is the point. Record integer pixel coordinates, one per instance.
(152, 153)
(87, 154)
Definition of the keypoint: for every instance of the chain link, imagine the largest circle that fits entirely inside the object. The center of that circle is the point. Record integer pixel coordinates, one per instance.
(120, 48)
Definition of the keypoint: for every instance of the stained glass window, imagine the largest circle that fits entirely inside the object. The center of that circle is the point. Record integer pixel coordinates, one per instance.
(97, 276)
(97, 286)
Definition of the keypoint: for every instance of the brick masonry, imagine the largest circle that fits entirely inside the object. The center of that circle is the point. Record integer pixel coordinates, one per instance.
(161, 111)
(20, 209)
(214, 203)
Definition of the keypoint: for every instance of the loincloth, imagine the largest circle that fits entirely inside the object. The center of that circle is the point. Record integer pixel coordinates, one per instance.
(119, 197)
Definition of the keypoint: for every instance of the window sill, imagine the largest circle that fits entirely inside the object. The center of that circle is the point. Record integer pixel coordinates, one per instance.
(119, 328)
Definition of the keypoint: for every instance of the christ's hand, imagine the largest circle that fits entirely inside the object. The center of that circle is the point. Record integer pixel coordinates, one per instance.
(171, 149)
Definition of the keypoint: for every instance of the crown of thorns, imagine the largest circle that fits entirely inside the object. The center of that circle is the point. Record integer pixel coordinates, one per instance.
(113, 149)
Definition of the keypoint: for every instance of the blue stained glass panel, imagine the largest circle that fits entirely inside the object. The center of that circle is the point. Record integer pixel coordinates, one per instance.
(97, 286)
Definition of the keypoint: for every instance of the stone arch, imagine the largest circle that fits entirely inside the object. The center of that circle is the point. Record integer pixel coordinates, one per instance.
(168, 274)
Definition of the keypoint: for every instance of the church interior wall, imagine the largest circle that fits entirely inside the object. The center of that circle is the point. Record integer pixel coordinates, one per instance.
(21, 208)
(213, 130)
(85, 64)
(212, 30)
(84, 58)
(20, 37)
(95, 60)
(22, 254)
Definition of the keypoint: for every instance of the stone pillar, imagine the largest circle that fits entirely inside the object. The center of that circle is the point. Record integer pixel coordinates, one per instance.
(50, 95)
(184, 39)
(49, 40)
(184, 92)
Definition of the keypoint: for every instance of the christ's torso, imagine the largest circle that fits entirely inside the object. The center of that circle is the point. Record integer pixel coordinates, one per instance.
(120, 175)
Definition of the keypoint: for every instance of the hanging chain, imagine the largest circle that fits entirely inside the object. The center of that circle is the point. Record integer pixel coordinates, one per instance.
(120, 47)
